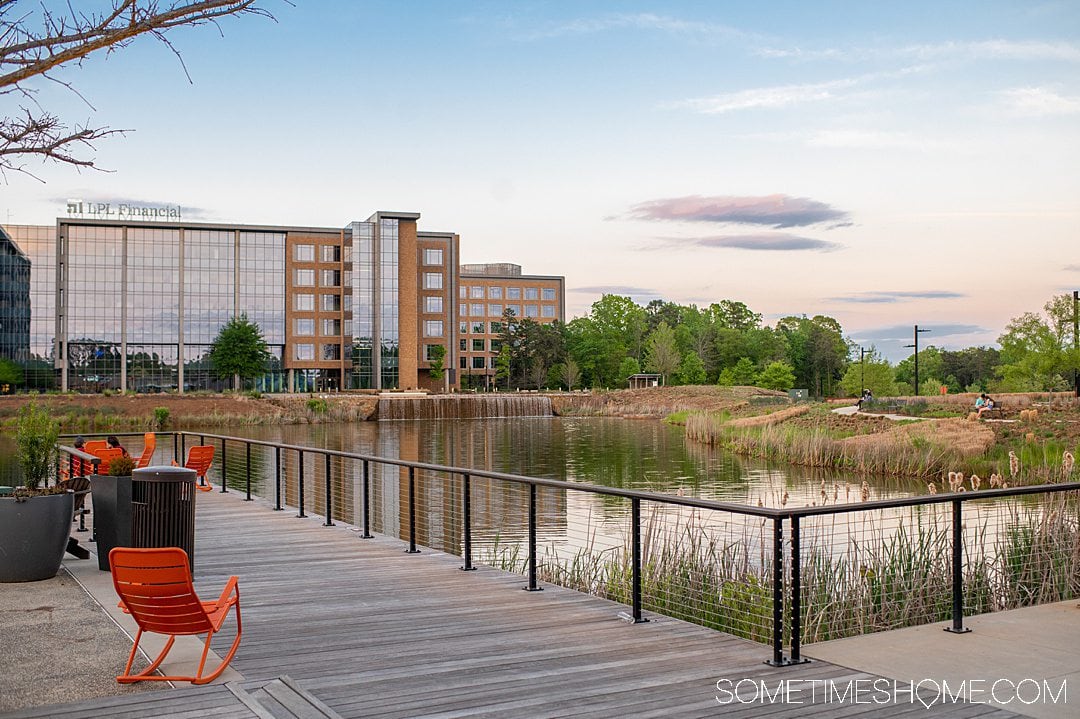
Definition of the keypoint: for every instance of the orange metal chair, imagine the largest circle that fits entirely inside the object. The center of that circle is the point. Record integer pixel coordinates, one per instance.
(155, 587)
(200, 458)
(94, 445)
(149, 445)
(106, 456)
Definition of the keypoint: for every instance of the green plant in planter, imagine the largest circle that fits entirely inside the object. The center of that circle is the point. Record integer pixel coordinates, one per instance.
(36, 435)
(121, 467)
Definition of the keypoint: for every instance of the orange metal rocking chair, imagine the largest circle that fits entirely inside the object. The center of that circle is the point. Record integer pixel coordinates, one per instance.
(200, 458)
(149, 445)
(155, 588)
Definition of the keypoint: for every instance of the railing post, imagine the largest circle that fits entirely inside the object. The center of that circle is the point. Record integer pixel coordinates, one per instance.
(367, 500)
(532, 542)
(796, 594)
(224, 468)
(176, 448)
(277, 479)
(412, 512)
(957, 569)
(329, 497)
(635, 559)
(247, 447)
(466, 514)
(778, 594)
(300, 454)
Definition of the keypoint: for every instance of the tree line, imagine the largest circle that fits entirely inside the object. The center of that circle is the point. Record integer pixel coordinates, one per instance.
(727, 343)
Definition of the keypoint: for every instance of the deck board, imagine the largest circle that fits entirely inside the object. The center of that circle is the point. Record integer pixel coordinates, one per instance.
(375, 632)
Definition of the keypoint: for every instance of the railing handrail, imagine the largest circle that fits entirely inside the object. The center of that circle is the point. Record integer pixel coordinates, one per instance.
(733, 507)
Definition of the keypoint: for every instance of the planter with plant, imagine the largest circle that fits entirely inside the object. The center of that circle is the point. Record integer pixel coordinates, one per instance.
(35, 521)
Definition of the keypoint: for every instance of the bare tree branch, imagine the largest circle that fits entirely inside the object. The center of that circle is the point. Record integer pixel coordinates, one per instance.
(66, 39)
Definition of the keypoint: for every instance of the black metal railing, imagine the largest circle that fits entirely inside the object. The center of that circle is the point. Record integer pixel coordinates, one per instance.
(782, 557)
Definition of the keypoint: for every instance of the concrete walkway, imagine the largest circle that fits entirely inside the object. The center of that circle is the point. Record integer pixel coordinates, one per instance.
(1022, 657)
(853, 409)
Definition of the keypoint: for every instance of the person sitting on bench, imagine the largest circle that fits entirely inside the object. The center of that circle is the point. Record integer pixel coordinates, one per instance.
(984, 404)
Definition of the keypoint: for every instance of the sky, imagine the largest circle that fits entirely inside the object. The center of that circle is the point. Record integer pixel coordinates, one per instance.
(885, 164)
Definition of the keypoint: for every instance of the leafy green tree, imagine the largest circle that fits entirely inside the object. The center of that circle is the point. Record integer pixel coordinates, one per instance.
(239, 351)
(777, 375)
(661, 354)
(10, 373)
(873, 373)
(692, 370)
(742, 373)
(436, 360)
(571, 374)
(1036, 350)
(973, 366)
(629, 366)
(502, 366)
(931, 366)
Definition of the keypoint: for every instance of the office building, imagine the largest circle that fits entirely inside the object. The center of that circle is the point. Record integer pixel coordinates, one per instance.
(109, 302)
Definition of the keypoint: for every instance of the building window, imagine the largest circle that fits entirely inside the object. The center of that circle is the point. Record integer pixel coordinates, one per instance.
(496, 346)
(432, 280)
(478, 363)
(513, 293)
(346, 328)
(476, 293)
(304, 253)
(515, 309)
(331, 303)
(331, 278)
(547, 310)
(304, 303)
(463, 362)
(331, 328)
(463, 328)
(548, 293)
(531, 311)
(497, 328)
(495, 293)
(331, 253)
(463, 292)
(433, 328)
(432, 305)
(305, 278)
(346, 303)
(531, 293)
(478, 328)
(429, 352)
(432, 257)
(303, 327)
(476, 310)
(495, 310)
(331, 352)
(462, 309)
(462, 344)
(478, 345)
(305, 352)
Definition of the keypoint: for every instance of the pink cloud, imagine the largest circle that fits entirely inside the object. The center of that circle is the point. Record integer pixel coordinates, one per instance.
(770, 210)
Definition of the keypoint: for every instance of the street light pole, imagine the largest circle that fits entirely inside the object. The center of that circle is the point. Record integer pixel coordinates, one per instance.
(917, 331)
(1076, 326)
(862, 371)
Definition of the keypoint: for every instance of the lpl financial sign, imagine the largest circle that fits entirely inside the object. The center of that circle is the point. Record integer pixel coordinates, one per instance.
(121, 211)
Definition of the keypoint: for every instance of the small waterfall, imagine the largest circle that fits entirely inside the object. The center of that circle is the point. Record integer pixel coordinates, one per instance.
(464, 406)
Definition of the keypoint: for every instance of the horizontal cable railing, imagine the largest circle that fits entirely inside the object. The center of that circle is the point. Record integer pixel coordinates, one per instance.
(837, 569)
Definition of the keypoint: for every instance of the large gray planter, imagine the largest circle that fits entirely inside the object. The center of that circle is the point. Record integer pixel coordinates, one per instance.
(33, 536)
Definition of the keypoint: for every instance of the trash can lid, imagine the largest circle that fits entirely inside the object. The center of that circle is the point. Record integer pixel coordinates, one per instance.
(164, 473)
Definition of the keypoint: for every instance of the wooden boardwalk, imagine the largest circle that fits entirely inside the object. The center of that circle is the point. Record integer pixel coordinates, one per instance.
(371, 631)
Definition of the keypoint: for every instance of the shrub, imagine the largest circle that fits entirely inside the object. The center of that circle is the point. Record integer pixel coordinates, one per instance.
(121, 466)
(161, 417)
(36, 435)
(318, 405)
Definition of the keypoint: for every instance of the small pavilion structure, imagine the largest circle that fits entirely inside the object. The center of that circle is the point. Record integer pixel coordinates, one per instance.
(643, 380)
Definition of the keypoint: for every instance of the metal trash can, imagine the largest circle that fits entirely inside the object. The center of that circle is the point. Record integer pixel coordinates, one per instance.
(163, 509)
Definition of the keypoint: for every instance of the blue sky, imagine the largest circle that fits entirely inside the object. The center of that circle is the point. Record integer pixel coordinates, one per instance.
(884, 164)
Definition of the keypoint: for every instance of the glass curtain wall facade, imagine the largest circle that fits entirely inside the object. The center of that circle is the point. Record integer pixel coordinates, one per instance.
(38, 244)
(375, 302)
(137, 298)
(14, 302)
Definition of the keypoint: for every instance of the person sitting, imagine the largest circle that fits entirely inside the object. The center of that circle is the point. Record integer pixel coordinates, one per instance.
(115, 444)
(867, 396)
(983, 404)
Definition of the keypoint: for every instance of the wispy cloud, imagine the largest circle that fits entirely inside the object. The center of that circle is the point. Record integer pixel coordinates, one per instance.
(763, 242)
(977, 50)
(886, 297)
(649, 22)
(1071, 268)
(907, 332)
(614, 290)
(1039, 102)
(766, 97)
(777, 211)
